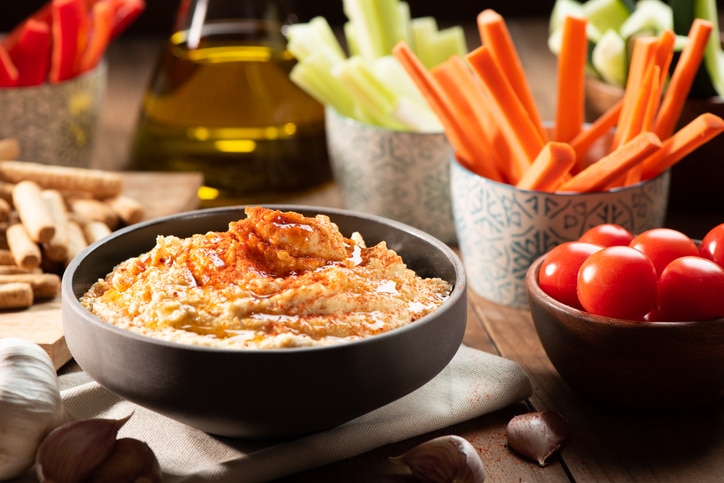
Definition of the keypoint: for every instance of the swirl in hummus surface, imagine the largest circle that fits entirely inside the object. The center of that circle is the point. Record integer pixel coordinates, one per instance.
(274, 279)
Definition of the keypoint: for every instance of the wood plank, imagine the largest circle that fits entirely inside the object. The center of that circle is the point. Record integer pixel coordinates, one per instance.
(605, 444)
(161, 194)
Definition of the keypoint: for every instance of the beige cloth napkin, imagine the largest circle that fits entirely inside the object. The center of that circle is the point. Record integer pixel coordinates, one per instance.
(473, 384)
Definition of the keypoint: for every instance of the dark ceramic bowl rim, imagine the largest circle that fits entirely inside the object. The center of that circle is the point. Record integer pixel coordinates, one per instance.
(67, 292)
(535, 291)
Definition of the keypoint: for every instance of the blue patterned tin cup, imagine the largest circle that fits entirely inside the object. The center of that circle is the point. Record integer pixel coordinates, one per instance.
(502, 229)
(55, 123)
(401, 175)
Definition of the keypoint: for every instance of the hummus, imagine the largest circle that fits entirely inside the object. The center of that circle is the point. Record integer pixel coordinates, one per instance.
(274, 279)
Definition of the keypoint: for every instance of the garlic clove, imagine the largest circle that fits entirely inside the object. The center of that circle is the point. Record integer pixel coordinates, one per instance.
(131, 461)
(537, 435)
(444, 459)
(70, 452)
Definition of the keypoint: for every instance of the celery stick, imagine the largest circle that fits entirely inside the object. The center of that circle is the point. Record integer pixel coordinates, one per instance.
(610, 60)
(326, 34)
(713, 55)
(607, 14)
(555, 41)
(369, 36)
(391, 72)
(311, 82)
(423, 30)
(405, 19)
(372, 94)
(378, 25)
(561, 10)
(434, 46)
(416, 117)
(447, 42)
(412, 108)
(304, 39)
(652, 16)
(392, 24)
(316, 71)
(350, 34)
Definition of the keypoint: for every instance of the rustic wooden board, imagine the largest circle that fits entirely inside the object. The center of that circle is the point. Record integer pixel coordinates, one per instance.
(162, 194)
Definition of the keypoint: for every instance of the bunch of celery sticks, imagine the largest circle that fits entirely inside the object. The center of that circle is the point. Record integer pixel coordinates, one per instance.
(369, 84)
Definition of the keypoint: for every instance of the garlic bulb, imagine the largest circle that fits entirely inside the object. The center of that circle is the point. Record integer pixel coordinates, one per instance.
(87, 450)
(537, 435)
(445, 459)
(30, 404)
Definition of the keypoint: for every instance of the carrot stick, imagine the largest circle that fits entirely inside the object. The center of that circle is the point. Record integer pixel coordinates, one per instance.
(665, 53)
(570, 106)
(454, 129)
(600, 174)
(550, 167)
(651, 94)
(682, 78)
(639, 101)
(643, 55)
(654, 100)
(595, 132)
(509, 111)
(457, 83)
(697, 132)
(495, 34)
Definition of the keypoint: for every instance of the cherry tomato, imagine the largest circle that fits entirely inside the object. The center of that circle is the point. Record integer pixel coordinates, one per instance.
(691, 288)
(608, 235)
(558, 274)
(662, 245)
(712, 245)
(618, 282)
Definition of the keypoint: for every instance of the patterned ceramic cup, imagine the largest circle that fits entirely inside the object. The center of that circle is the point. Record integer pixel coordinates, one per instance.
(400, 175)
(55, 123)
(502, 229)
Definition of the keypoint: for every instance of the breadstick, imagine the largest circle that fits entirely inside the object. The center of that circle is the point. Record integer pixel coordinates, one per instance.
(76, 239)
(10, 269)
(33, 212)
(130, 210)
(90, 209)
(57, 247)
(45, 285)
(16, 295)
(5, 210)
(6, 191)
(100, 183)
(9, 148)
(26, 253)
(95, 230)
(6, 257)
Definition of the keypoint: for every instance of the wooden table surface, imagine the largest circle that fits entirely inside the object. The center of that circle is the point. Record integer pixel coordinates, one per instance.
(603, 445)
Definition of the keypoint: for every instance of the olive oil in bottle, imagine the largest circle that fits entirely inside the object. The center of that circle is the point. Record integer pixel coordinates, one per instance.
(220, 102)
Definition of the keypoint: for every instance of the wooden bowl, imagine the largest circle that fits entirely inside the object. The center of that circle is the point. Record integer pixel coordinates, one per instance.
(630, 364)
(696, 180)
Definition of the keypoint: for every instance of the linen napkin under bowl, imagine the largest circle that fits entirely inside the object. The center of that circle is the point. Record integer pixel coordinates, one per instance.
(474, 383)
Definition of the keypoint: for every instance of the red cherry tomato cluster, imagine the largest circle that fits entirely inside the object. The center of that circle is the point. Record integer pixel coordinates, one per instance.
(658, 275)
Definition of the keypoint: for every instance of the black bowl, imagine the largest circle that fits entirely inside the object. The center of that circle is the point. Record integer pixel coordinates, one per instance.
(275, 393)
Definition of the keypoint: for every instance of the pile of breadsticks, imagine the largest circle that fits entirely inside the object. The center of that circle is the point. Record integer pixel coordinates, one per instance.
(48, 214)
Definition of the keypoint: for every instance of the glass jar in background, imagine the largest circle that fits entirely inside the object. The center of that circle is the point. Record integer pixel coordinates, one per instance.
(220, 102)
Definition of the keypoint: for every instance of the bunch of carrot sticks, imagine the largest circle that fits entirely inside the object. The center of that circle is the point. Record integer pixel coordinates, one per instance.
(487, 109)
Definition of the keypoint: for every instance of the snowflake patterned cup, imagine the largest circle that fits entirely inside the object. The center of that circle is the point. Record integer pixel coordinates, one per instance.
(55, 123)
(400, 175)
(502, 229)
